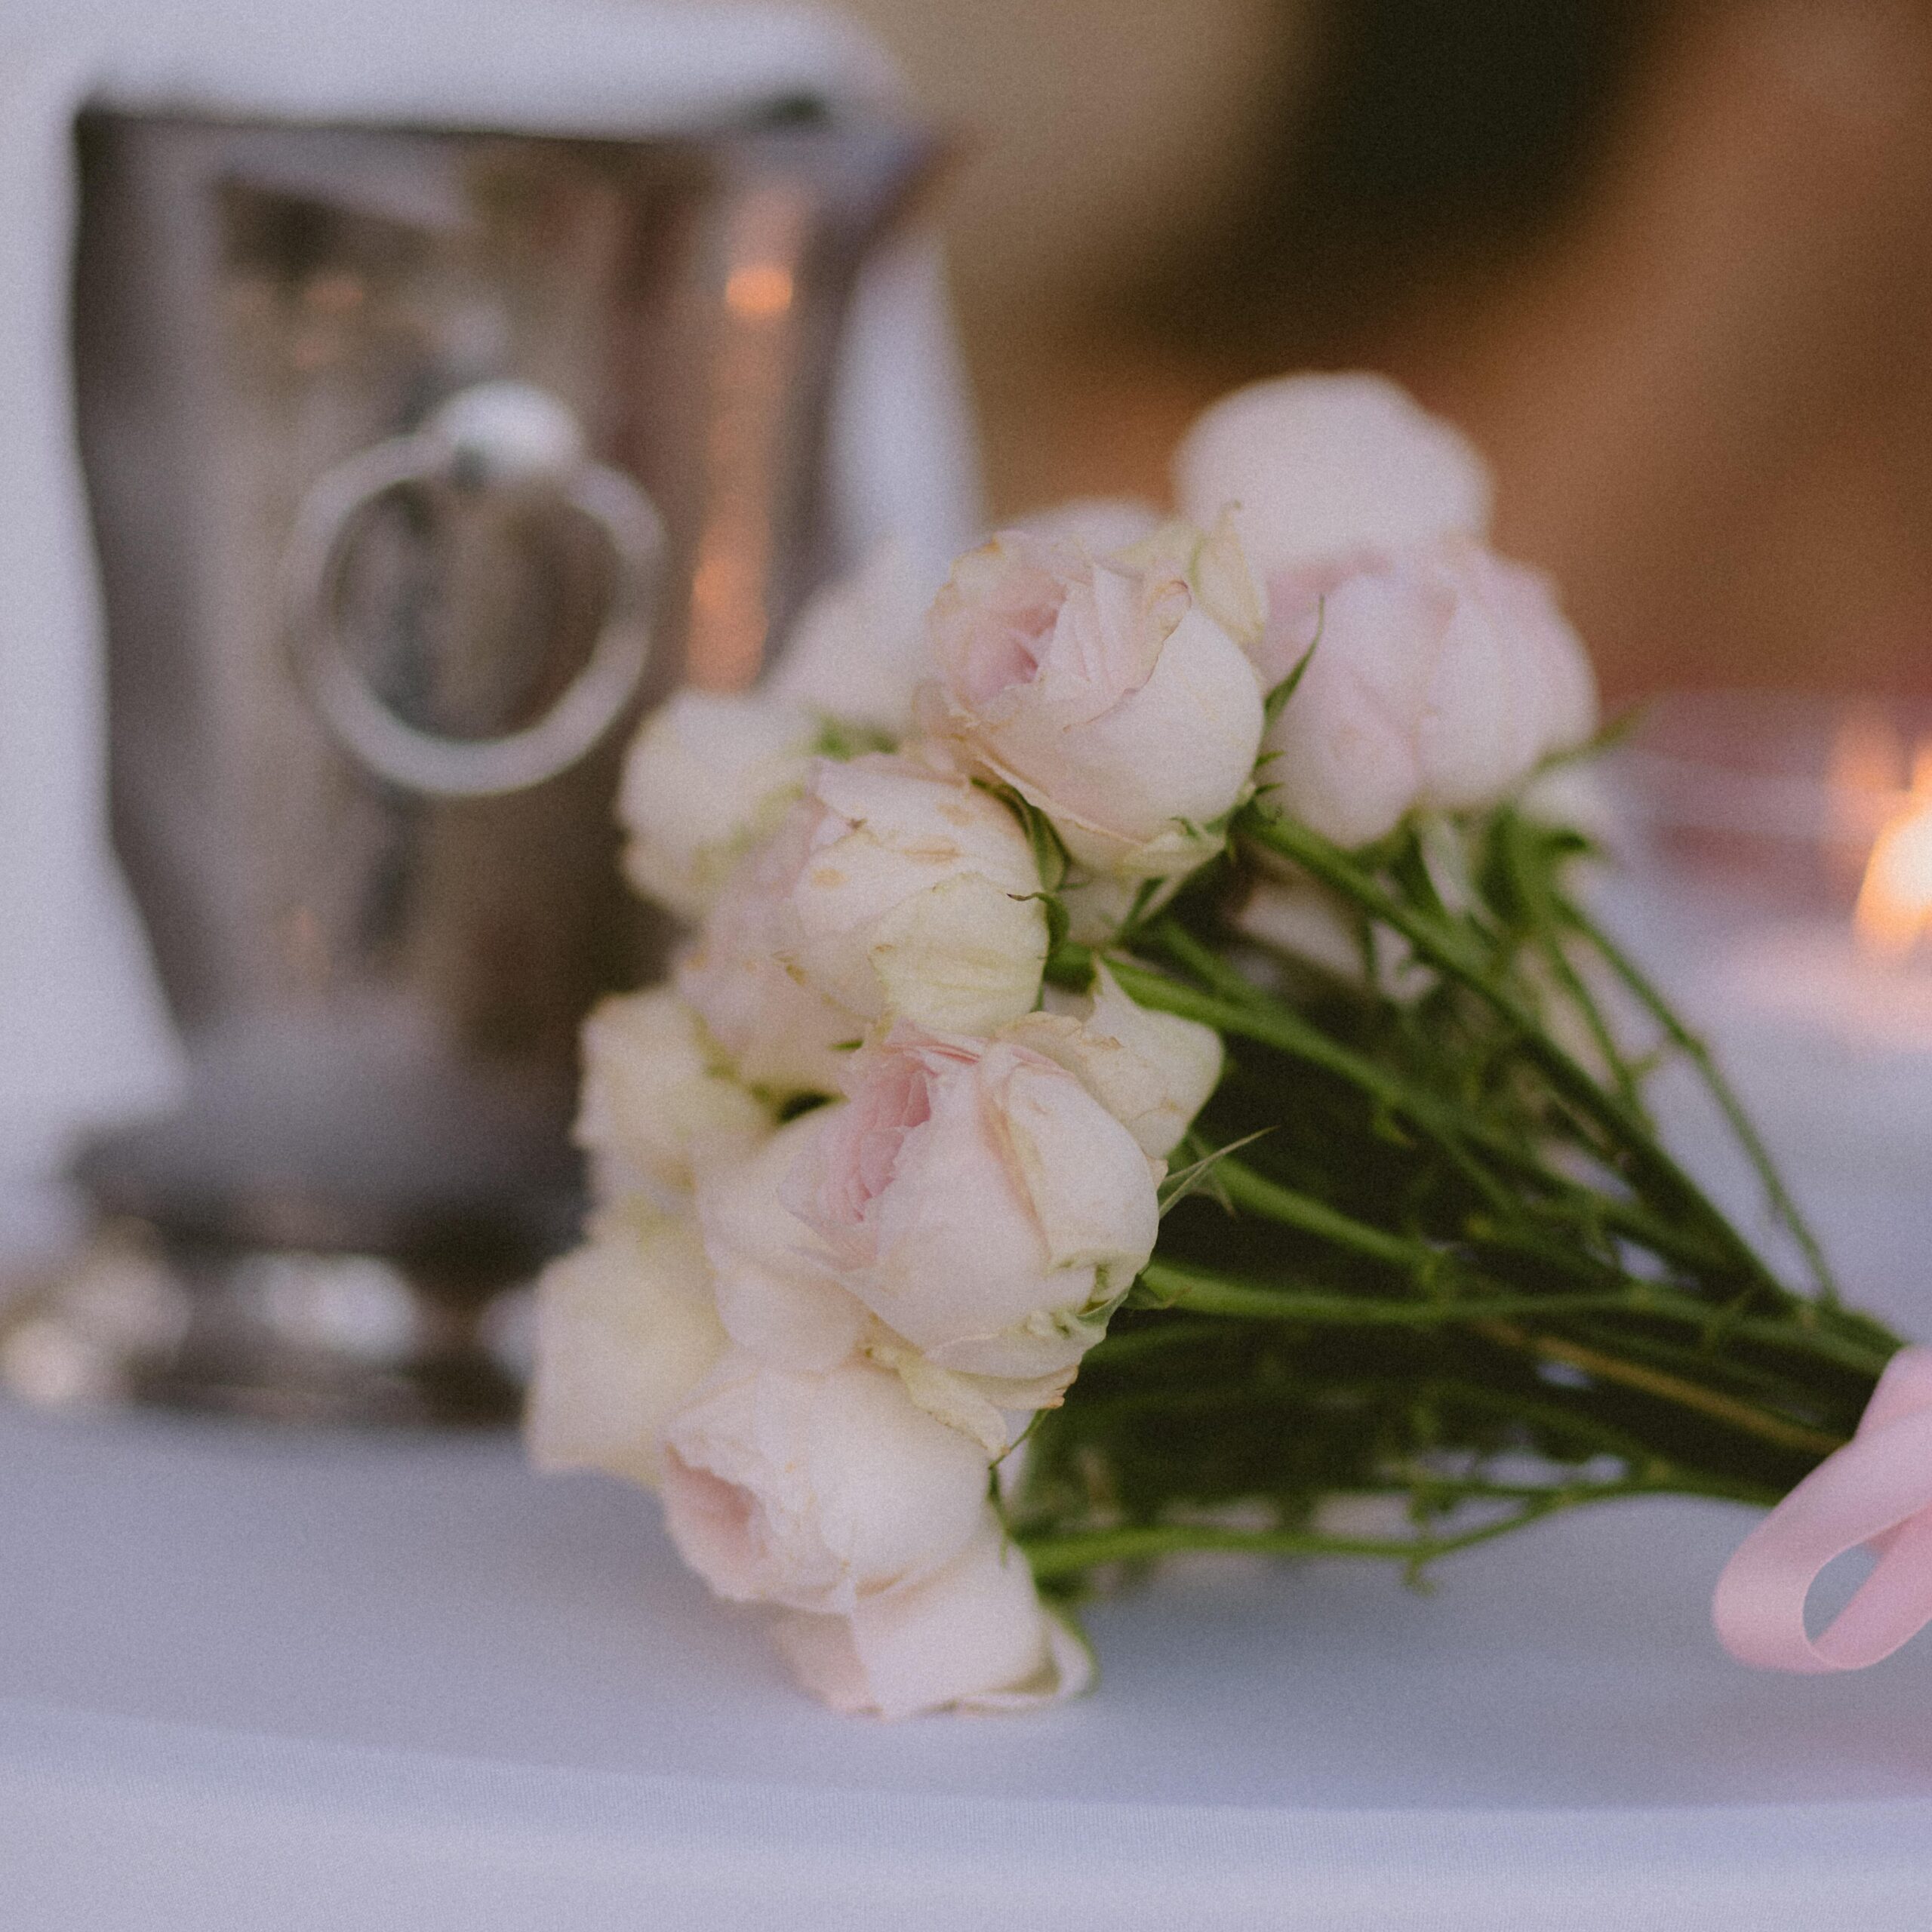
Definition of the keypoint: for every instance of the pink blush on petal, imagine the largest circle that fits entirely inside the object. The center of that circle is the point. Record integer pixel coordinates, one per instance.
(712, 1522)
(862, 1153)
(1007, 643)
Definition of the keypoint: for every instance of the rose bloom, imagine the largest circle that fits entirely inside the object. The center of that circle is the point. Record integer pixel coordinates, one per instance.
(813, 1490)
(781, 1298)
(1442, 678)
(979, 1201)
(888, 888)
(776, 1296)
(1153, 1071)
(710, 773)
(1319, 468)
(856, 652)
(625, 1331)
(971, 1636)
(659, 1104)
(1103, 691)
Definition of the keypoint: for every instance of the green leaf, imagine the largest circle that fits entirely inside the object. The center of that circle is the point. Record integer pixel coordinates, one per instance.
(1051, 857)
(1070, 966)
(1144, 898)
(841, 739)
(799, 1104)
(1199, 1176)
(1058, 923)
(1272, 706)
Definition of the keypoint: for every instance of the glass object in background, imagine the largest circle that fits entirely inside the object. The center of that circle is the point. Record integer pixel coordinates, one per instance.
(1778, 874)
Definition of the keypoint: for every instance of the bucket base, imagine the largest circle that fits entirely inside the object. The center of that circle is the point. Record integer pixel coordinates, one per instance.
(265, 1334)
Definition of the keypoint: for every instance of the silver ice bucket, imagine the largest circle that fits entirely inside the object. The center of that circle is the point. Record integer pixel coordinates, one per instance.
(419, 463)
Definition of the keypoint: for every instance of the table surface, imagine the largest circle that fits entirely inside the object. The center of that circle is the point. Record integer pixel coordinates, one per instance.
(283, 1680)
(280, 1682)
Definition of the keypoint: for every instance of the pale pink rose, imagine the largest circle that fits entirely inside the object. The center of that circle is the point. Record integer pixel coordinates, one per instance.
(971, 1636)
(889, 888)
(1153, 1071)
(1323, 467)
(659, 1103)
(813, 1490)
(782, 1034)
(781, 1298)
(1103, 691)
(776, 1294)
(1210, 558)
(979, 1201)
(856, 652)
(1442, 678)
(625, 1331)
(710, 773)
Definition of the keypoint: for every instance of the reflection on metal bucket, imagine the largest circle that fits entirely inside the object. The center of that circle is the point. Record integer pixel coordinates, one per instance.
(419, 463)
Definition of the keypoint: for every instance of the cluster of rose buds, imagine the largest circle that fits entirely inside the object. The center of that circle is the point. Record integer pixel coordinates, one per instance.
(870, 1186)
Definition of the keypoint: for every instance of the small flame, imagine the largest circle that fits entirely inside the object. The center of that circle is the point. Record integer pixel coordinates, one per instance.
(1894, 908)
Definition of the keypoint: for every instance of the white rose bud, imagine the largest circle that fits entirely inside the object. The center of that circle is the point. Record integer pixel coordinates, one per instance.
(710, 773)
(856, 652)
(979, 1201)
(972, 1636)
(889, 888)
(1442, 678)
(624, 1331)
(659, 1104)
(1323, 468)
(1153, 1071)
(810, 1491)
(1103, 691)
(1211, 559)
(783, 1034)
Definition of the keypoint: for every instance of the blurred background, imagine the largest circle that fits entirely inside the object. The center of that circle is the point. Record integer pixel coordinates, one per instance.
(1670, 265)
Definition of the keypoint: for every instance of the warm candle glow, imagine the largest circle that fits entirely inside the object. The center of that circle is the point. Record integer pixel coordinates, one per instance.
(1894, 909)
(1866, 773)
(758, 290)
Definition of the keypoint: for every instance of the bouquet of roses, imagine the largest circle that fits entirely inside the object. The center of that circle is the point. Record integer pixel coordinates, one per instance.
(1142, 1078)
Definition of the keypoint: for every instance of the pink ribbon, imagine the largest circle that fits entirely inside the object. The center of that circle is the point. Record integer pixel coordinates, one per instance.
(1876, 1490)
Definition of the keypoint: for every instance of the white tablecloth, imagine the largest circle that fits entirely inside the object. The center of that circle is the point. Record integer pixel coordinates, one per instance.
(281, 1682)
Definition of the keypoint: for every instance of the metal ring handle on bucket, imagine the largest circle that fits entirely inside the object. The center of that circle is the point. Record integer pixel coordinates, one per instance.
(507, 433)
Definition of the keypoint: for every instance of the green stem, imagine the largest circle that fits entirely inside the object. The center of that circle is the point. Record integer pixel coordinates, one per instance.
(1206, 1292)
(1563, 1418)
(1530, 887)
(1242, 1009)
(1712, 1403)
(1246, 1012)
(1799, 1331)
(1694, 1049)
(1070, 1551)
(1203, 1292)
(1444, 947)
(1273, 1202)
